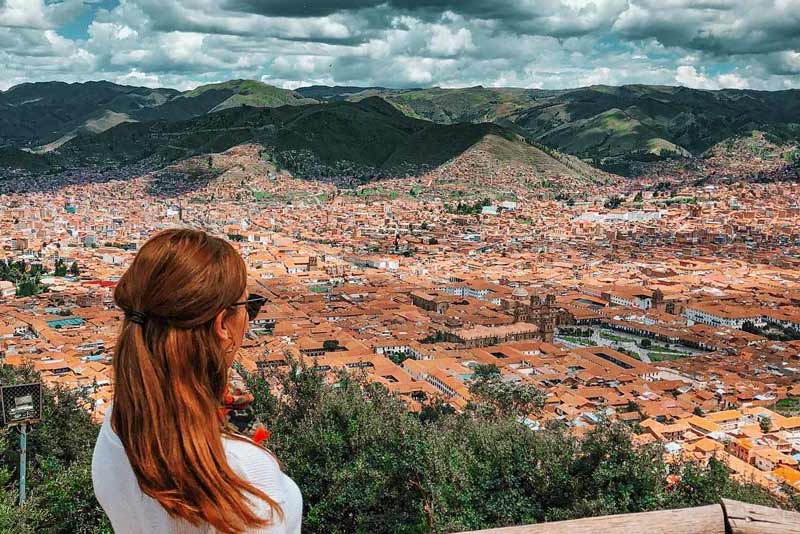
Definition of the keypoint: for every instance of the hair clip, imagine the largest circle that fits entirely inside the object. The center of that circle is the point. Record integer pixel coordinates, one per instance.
(136, 317)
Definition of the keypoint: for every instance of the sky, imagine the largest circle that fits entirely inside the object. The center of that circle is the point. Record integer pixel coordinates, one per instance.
(551, 44)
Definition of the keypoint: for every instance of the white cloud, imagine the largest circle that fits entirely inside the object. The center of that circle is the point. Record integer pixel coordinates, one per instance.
(732, 81)
(689, 76)
(37, 13)
(446, 42)
(134, 77)
(598, 76)
(526, 43)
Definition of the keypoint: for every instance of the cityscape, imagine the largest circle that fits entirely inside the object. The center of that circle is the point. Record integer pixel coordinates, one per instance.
(626, 253)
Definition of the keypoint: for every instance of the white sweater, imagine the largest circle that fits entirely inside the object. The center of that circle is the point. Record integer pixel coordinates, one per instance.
(133, 512)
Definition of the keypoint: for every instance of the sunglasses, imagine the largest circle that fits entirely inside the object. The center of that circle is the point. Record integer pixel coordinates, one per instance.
(253, 304)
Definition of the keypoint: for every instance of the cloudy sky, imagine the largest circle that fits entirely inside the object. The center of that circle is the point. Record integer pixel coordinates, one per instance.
(403, 43)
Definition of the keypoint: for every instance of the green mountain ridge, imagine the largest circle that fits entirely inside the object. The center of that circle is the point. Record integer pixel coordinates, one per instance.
(365, 139)
(37, 114)
(596, 123)
(604, 121)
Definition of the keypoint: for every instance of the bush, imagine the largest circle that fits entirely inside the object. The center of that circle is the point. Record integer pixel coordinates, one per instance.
(366, 465)
(60, 495)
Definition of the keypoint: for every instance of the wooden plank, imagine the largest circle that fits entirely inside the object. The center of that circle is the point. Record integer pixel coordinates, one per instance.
(743, 518)
(702, 520)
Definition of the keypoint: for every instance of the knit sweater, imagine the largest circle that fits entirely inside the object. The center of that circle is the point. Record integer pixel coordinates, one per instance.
(133, 512)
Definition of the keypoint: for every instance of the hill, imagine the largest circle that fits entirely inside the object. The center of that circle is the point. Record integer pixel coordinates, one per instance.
(50, 114)
(363, 140)
(34, 114)
(505, 163)
(597, 123)
(12, 158)
(249, 93)
(326, 93)
(602, 121)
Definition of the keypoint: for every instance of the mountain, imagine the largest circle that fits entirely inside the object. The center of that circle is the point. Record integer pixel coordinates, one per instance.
(365, 139)
(39, 113)
(616, 127)
(339, 92)
(13, 158)
(502, 161)
(601, 121)
(49, 114)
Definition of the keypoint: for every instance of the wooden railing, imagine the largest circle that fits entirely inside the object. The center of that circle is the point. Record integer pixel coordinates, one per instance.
(729, 517)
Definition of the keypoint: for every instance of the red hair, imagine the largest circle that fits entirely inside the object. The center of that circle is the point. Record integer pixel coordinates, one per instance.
(170, 373)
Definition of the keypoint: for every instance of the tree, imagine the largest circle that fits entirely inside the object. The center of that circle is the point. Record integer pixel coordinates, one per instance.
(613, 202)
(61, 499)
(398, 357)
(765, 423)
(366, 465)
(508, 399)
(698, 411)
(74, 270)
(27, 288)
(433, 411)
(645, 343)
(751, 328)
(485, 371)
(700, 485)
(60, 268)
(330, 345)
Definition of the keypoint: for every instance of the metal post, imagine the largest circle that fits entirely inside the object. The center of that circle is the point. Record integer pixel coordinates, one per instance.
(23, 450)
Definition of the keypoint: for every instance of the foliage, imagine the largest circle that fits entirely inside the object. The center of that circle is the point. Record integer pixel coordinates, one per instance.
(467, 209)
(485, 371)
(330, 345)
(787, 407)
(498, 397)
(26, 277)
(575, 332)
(613, 202)
(765, 424)
(398, 357)
(60, 268)
(773, 331)
(367, 465)
(60, 496)
(699, 485)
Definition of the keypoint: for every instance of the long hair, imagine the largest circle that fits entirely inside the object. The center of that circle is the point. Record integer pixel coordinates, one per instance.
(170, 373)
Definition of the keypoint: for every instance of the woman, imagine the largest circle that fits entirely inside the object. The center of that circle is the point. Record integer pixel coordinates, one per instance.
(164, 461)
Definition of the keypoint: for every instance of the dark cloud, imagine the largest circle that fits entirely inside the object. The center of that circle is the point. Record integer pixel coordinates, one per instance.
(300, 8)
(720, 27)
(404, 43)
(543, 17)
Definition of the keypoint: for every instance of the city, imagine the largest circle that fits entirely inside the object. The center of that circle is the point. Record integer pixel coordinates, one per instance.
(397, 267)
(680, 317)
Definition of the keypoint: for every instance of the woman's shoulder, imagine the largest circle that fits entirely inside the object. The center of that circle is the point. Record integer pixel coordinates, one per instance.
(252, 462)
(245, 450)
